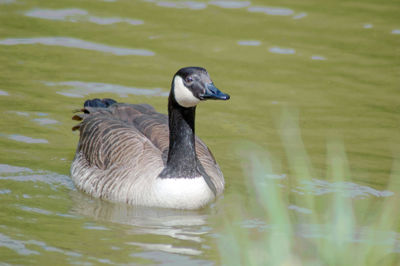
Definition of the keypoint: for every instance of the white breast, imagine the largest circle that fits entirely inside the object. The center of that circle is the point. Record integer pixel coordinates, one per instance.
(182, 193)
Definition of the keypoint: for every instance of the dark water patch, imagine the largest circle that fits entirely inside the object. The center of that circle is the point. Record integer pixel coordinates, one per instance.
(81, 89)
(77, 43)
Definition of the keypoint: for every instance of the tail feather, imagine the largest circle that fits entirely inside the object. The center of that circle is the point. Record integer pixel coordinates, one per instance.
(103, 103)
(90, 106)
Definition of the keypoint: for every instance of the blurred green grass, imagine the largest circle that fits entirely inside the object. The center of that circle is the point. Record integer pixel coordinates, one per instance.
(334, 229)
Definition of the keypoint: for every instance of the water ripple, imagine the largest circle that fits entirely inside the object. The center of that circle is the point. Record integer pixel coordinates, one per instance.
(188, 4)
(274, 11)
(45, 121)
(76, 43)
(3, 93)
(230, 4)
(81, 89)
(26, 139)
(279, 50)
(249, 43)
(346, 189)
(76, 14)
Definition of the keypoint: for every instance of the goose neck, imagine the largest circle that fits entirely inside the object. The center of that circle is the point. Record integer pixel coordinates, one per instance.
(182, 158)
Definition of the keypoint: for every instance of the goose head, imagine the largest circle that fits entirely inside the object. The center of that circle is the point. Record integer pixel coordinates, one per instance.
(191, 85)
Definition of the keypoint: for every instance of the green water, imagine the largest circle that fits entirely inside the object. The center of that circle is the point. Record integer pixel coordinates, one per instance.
(336, 64)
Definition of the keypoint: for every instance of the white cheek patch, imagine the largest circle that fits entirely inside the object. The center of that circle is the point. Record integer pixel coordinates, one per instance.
(183, 95)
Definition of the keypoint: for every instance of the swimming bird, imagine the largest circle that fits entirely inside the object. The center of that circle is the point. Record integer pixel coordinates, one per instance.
(131, 153)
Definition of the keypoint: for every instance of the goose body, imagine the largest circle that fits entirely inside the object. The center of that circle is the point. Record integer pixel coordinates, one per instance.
(131, 153)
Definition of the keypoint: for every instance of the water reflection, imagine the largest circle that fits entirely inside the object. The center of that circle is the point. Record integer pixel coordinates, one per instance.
(81, 89)
(274, 11)
(26, 139)
(45, 121)
(3, 93)
(249, 43)
(75, 15)
(324, 231)
(346, 189)
(177, 4)
(7, 1)
(230, 4)
(300, 15)
(189, 227)
(318, 57)
(23, 174)
(396, 31)
(279, 50)
(76, 43)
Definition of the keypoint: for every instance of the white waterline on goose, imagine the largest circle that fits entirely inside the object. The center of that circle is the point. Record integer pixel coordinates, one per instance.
(81, 89)
(76, 43)
(318, 57)
(3, 93)
(75, 15)
(45, 121)
(249, 43)
(26, 139)
(396, 31)
(300, 15)
(274, 11)
(230, 4)
(279, 50)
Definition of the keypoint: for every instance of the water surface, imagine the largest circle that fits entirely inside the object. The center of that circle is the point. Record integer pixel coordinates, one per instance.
(335, 63)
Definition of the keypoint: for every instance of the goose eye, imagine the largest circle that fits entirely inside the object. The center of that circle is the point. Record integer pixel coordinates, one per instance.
(189, 79)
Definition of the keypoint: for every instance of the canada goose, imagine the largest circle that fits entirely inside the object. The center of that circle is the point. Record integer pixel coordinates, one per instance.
(131, 153)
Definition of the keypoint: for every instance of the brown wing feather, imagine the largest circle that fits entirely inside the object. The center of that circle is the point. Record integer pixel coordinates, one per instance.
(107, 132)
